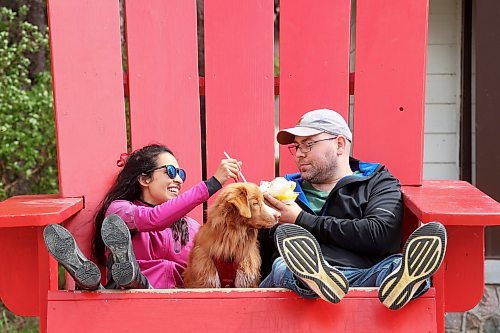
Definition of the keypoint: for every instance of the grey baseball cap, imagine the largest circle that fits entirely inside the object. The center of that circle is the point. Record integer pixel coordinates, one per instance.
(315, 122)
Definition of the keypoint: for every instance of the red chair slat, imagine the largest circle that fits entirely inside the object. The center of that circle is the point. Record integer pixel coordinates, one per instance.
(314, 61)
(239, 85)
(163, 80)
(89, 102)
(389, 87)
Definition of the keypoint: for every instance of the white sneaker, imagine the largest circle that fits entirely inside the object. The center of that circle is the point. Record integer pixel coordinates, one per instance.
(302, 255)
(423, 253)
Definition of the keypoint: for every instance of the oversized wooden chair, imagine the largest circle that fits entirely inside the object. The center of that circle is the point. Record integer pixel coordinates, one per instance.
(163, 89)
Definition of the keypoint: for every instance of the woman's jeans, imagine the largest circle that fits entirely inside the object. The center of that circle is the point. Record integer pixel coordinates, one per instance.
(282, 277)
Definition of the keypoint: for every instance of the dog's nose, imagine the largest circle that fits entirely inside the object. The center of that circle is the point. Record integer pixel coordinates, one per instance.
(273, 212)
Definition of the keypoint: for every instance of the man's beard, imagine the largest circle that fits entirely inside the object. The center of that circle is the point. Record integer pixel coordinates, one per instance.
(321, 172)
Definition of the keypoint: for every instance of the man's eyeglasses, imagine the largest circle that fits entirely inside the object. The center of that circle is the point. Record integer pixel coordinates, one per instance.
(172, 171)
(305, 147)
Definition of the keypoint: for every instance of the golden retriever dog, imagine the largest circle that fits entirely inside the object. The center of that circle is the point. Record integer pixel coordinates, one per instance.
(226, 250)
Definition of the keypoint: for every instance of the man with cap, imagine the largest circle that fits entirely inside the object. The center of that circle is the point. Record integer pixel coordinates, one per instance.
(345, 227)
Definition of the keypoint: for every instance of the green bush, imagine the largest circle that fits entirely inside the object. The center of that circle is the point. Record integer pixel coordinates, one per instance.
(28, 161)
(12, 324)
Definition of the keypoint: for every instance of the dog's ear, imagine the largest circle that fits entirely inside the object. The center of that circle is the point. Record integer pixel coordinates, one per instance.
(240, 201)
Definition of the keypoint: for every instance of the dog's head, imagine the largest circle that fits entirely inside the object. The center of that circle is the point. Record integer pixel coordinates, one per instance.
(244, 202)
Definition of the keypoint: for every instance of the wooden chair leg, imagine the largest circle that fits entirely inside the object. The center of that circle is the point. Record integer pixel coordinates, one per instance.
(48, 278)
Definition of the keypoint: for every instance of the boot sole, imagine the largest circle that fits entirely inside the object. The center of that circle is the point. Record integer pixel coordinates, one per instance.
(62, 246)
(302, 255)
(423, 253)
(116, 236)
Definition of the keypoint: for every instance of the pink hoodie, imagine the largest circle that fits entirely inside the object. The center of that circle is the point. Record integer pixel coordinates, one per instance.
(153, 243)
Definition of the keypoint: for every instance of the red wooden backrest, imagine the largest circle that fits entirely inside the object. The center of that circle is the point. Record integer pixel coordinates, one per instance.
(163, 80)
(161, 46)
(314, 62)
(391, 44)
(88, 101)
(239, 85)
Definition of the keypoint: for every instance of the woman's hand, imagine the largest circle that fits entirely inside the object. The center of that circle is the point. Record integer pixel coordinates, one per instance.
(228, 168)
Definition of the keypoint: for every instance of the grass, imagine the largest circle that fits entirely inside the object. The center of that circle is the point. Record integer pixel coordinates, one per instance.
(10, 323)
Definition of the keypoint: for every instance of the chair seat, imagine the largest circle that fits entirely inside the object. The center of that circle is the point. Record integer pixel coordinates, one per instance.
(242, 310)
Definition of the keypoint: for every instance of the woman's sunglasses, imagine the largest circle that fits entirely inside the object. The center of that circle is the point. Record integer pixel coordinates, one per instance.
(172, 171)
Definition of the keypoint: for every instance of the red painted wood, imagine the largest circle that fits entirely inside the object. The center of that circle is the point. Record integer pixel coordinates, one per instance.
(314, 62)
(276, 85)
(464, 268)
(439, 283)
(27, 272)
(391, 44)
(239, 85)
(87, 74)
(163, 80)
(18, 283)
(47, 274)
(234, 311)
(37, 210)
(227, 293)
(464, 210)
(452, 202)
(410, 223)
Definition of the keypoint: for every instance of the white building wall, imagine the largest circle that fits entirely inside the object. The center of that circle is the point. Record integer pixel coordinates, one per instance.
(442, 102)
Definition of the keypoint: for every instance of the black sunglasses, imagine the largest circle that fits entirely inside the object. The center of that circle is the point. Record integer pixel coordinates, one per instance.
(172, 171)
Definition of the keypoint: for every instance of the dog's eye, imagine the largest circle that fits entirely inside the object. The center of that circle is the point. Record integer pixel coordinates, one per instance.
(256, 204)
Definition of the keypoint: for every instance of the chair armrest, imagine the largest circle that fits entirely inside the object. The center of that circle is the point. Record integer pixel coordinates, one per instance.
(451, 202)
(27, 271)
(37, 210)
(465, 211)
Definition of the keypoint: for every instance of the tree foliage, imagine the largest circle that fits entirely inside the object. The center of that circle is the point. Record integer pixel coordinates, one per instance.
(28, 161)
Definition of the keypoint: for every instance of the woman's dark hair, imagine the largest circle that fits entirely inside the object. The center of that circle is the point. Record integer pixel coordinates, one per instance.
(126, 187)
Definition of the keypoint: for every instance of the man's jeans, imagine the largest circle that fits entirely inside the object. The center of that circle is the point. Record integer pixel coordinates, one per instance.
(282, 277)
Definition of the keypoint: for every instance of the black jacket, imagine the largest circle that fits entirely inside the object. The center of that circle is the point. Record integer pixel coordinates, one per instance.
(360, 223)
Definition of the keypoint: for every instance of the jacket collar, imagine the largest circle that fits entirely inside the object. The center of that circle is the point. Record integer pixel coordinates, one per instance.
(363, 171)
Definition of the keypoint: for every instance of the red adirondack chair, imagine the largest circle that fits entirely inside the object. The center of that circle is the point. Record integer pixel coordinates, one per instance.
(239, 84)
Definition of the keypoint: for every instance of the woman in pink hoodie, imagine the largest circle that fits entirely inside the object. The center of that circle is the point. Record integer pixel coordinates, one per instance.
(143, 224)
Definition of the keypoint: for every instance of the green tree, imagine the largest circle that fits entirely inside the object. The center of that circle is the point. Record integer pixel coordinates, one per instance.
(27, 133)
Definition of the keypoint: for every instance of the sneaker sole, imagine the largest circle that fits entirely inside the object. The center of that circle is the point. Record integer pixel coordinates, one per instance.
(116, 236)
(423, 253)
(62, 246)
(302, 255)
